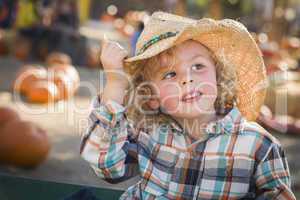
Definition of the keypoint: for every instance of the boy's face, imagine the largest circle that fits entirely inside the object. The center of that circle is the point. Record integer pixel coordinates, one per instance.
(189, 89)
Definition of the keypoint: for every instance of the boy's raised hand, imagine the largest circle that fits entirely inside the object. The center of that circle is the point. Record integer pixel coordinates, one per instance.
(112, 55)
(112, 58)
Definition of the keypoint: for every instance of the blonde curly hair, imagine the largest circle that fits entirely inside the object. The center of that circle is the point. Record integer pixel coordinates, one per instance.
(142, 71)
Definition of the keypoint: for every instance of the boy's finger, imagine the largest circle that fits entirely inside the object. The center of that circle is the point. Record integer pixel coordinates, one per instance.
(104, 40)
(119, 46)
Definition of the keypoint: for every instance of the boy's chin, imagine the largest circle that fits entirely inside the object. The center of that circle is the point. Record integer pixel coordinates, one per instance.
(193, 114)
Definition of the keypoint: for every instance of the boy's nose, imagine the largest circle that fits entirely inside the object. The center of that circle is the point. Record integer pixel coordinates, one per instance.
(186, 81)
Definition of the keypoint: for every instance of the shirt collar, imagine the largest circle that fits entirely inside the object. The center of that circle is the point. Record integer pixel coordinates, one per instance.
(229, 124)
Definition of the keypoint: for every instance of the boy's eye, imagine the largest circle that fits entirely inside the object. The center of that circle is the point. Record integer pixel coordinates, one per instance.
(197, 67)
(169, 75)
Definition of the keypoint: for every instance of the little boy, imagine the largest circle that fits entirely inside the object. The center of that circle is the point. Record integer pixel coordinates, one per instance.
(189, 131)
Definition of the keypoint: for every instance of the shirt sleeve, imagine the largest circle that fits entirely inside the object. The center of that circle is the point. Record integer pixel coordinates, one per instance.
(108, 144)
(272, 176)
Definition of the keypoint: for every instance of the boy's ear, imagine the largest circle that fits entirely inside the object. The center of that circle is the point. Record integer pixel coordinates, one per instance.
(153, 104)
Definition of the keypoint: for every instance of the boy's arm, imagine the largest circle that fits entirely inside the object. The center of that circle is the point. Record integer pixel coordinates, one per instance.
(272, 176)
(108, 144)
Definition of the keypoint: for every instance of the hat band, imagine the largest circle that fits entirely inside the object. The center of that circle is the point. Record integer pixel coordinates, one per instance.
(156, 39)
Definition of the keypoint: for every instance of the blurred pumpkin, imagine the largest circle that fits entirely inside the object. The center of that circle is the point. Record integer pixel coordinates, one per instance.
(27, 76)
(69, 71)
(42, 92)
(107, 18)
(22, 48)
(64, 85)
(23, 144)
(7, 114)
(93, 57)
(58, 58)
(290, 43)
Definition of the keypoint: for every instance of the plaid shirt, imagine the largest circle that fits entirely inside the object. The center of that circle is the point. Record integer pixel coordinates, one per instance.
(235, 159)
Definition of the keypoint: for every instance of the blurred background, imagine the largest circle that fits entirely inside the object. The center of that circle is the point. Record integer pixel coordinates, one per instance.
(50, 70)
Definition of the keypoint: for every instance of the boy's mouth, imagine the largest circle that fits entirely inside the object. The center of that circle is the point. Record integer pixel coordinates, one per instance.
(191, 96)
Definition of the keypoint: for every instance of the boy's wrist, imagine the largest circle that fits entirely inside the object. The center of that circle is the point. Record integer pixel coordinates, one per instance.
(114, 91)
(117, 78)
(115, 87)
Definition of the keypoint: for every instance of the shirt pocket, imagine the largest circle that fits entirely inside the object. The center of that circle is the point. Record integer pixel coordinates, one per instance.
(225, 176)
(157, 169)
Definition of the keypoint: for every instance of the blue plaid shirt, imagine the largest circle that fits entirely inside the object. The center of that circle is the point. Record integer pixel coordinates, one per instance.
(235, 158)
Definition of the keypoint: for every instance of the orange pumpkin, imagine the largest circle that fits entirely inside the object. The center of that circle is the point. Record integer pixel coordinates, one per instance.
(74, 75)
(27, 76)
(64, 85)
(58, 58)
(7, 114)
(69, 71)
(42, 92)
(22, 48)
(23, 144)
(107, 18)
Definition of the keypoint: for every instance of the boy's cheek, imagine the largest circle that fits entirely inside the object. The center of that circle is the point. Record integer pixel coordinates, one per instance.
(209, 88)
(170, 102)
(169, 91)
(171, 107)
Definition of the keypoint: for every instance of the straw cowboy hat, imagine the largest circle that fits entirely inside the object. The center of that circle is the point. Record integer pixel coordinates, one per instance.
(228, 39)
